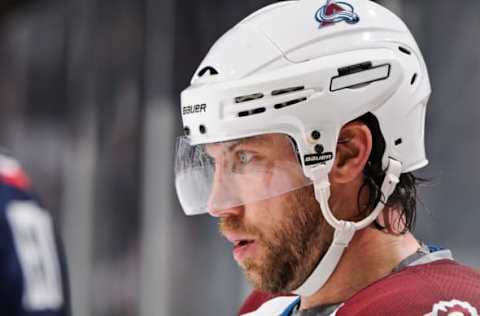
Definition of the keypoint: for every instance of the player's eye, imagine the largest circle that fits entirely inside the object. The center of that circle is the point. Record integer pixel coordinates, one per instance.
(245, 157)
(243, 162)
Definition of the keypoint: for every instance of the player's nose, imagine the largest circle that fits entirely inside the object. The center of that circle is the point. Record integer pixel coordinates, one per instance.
(225, 211)
(223, 200)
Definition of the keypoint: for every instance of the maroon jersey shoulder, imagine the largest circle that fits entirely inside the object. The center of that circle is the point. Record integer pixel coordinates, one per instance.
(415, 291)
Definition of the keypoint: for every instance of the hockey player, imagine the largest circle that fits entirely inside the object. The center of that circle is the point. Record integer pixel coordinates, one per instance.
(303, 125)
(32, 265)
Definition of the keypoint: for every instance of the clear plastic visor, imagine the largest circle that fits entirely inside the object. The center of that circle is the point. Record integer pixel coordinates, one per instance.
(218, 176)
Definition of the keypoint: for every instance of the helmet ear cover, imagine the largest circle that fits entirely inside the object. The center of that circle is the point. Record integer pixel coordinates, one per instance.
(405, 192)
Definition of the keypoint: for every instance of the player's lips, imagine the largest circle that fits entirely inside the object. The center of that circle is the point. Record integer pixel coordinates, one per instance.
(243, 249)
(242, 246)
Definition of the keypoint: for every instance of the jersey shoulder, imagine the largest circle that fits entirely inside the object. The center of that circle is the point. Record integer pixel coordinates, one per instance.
(418, 290)
(12, 174)
(15, 189)
(32, 263)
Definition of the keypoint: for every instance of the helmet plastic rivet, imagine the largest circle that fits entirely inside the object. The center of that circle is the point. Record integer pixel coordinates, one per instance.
(186, 130)
(319, 149)
(316, 135)
(202, 129)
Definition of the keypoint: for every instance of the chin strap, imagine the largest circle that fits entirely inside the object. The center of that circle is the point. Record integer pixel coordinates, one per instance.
(344, 230)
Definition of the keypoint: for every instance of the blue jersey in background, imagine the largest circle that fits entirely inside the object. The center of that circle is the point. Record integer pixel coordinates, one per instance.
(33, 275)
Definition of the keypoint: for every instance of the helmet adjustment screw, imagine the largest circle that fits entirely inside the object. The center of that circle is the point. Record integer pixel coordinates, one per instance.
(202, 129)
(316, 135)
(186, 131)
(319, 149)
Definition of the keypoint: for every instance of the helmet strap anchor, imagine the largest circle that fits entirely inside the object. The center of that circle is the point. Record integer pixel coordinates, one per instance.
(344, 230)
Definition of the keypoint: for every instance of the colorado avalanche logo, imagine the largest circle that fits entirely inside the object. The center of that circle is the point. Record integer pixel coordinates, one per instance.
(333, 12)
(453, 308)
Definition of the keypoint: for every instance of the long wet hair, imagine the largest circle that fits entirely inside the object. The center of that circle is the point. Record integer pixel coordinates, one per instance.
(404, 197)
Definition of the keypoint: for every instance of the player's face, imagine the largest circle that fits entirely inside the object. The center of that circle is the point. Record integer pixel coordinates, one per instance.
(277, 241)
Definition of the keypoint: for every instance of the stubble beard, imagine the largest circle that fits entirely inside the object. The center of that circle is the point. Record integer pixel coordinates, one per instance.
(292, 248)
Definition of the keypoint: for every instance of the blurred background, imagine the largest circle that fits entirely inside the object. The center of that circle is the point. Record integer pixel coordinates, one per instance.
(89, 103)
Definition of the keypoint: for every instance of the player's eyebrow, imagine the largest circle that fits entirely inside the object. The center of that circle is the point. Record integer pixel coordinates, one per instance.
(256, 140)
(247, 141)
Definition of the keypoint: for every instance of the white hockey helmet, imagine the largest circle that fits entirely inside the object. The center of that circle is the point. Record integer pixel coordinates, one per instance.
(304, 69)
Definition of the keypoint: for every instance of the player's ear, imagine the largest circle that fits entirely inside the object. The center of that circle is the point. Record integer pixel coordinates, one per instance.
(353, 149)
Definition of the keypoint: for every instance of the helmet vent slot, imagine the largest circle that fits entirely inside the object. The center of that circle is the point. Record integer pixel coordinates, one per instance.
(348, 70)
(414, 78)
(251, 112)
(249, 97)
(287, 90)
(404, 50)
(288, 103)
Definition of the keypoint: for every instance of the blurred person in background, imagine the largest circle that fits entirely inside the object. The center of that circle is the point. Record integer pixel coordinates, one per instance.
(33, 275)
(303, 126)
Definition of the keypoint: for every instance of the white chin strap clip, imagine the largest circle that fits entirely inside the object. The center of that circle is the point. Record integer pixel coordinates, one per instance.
(344, 230)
